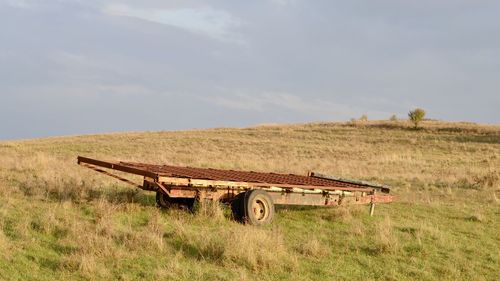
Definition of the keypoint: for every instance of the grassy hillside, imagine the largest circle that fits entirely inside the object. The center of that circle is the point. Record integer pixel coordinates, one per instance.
(61, 221)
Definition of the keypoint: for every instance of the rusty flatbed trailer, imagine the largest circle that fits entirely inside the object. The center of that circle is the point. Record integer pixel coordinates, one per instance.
(252, 195)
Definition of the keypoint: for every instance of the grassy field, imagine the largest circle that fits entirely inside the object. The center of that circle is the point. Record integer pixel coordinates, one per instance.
(59, 221)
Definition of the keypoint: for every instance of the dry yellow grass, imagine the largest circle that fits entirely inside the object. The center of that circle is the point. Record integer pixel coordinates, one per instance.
(314, 248)
(385, 239)
(61, 221)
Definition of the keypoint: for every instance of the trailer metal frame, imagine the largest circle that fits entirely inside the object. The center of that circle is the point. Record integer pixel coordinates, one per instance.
(181, 184)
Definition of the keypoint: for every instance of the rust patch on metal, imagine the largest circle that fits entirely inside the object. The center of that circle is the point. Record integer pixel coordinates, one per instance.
(237, 176)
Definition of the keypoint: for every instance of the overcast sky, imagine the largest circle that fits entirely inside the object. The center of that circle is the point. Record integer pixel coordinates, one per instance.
(91, 66)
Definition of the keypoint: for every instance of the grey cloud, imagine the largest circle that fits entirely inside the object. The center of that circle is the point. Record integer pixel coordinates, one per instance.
(301, 61)
(275, 101)
(204, 20)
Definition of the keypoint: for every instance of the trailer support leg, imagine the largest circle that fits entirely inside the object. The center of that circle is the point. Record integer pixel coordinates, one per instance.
(372, 204)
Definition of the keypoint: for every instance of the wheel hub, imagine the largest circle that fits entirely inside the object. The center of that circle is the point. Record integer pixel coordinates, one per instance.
(260, 209)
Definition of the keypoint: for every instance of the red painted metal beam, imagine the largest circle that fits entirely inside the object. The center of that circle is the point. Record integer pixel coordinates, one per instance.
(118, 167)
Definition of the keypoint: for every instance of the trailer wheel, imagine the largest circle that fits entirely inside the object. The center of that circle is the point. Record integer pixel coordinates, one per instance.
(238, 207)
(165, 202)
(258, 207)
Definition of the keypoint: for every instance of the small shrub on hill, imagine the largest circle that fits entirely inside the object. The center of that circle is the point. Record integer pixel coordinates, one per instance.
(416, 116)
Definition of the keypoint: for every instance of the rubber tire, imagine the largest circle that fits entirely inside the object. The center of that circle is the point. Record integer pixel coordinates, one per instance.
(237, 207)
(266, 210)
(165, 202)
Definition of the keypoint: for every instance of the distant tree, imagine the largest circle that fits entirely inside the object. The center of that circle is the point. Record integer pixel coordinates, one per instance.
(416, 116)
(393, 118)
(363, 118)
